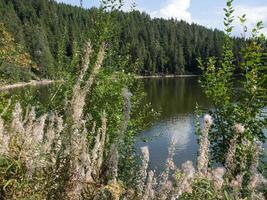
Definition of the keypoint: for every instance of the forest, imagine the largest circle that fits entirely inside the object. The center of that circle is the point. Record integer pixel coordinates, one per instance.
(44, 28)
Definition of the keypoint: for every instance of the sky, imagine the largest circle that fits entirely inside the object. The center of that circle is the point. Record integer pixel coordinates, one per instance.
(204, 12)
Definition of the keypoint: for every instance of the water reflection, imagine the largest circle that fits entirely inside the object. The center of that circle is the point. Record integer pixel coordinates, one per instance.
(176, 98)
(181, 128)
(174, 95)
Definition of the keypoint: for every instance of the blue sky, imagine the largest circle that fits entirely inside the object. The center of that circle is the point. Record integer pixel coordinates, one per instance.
(205, 12)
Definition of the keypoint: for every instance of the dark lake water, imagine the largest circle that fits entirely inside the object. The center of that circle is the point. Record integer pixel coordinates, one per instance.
(176, 98)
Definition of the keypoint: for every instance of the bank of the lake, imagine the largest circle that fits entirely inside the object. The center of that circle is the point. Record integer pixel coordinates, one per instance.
(166, 76)
(24, 84)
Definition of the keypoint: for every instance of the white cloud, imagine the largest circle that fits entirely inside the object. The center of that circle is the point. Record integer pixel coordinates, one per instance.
(177, 9)
(129, 5)
(253, 15)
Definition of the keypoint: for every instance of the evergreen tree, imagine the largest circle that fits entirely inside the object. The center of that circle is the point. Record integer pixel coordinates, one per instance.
(49, 31)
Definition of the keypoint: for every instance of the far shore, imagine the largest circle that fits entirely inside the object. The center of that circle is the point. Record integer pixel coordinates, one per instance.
(165, 76)
(47, 82)
(24, 84)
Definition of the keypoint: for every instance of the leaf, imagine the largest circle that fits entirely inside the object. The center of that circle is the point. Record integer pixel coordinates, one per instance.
(7, 184)
(226, 24)
(227, 14)
(229, 3)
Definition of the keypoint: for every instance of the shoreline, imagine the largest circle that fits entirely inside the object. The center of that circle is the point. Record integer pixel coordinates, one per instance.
(24, 84)
(165, 76)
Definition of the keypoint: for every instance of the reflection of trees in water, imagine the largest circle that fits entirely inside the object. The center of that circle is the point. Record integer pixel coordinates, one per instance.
(181, 129)
(175, 95)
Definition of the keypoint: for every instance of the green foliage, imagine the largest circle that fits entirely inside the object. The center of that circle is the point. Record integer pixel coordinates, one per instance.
(231, 105)
(202, 189)
(15, 63)
(52, 31)
(15, 184)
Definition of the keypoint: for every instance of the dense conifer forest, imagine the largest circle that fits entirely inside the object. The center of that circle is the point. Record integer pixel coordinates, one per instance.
(50, 32)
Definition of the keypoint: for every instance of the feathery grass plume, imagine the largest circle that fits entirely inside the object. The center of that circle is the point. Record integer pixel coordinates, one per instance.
(52, 141)
(79, 161)
(4, 139)
(38, 129)
(236, 185)
(79, 92)
(239, 128)
(34, 159)
(165, 185)
(101, 150)
(203, 158)
(188, 172)
(50, 133)
(126, 110)
(217, 177)
(88, 166)
(255, 160)
(17, 122)
(143, 171)
(121, 134)
(78, 172)
(113, 164)
(48, 150)
(149, 192)
(229, 161)
(78, 99)
(169, 162)
(257, 181)
(28, 121)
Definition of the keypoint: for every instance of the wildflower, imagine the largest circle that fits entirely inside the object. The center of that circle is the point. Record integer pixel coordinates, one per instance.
(208, 120)
(143, 170)
(203, 158)
(113, 163)
(126, 113)
(149, 192)
(256, 180)
(229, 161)
(79, 93)
(255, 158)
(217, 177)
(237, 182)
(188, 169)
(169, 163)
(186, 180)
(17, 122)
(239, 128)
(4, 139)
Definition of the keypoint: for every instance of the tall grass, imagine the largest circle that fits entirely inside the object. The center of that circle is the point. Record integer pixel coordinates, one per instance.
(55, 157)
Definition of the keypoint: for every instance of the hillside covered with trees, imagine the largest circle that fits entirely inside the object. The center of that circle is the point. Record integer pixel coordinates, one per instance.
(52, 34)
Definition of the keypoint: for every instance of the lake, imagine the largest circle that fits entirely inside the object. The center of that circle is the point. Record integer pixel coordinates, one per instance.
(175, 98)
